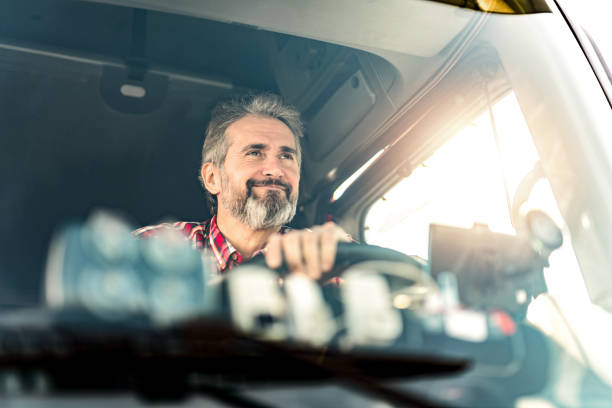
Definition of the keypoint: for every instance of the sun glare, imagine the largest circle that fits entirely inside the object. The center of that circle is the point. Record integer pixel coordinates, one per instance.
(465, 182)
(460, 184)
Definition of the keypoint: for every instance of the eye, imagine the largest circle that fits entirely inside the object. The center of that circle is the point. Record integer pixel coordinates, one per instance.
(288, 156)
(254, 153)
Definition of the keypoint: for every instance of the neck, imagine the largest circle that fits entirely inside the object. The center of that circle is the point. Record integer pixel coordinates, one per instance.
(246, 240)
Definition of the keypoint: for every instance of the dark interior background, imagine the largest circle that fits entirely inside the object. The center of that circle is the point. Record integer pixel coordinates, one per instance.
(65, 152)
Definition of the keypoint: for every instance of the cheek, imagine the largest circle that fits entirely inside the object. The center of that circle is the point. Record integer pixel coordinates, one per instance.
(292, 170)
(234, 181)
(294, 180)
(237, 173)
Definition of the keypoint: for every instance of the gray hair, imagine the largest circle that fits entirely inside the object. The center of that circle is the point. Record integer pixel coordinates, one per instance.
(227, 112)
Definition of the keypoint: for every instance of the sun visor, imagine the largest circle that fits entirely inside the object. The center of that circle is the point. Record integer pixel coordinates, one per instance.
(343, 111)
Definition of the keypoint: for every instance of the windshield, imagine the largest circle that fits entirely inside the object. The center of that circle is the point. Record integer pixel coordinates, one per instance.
(462, 151)
(469, 179)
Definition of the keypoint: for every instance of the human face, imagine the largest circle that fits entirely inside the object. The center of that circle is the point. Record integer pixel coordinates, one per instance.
(260, 175)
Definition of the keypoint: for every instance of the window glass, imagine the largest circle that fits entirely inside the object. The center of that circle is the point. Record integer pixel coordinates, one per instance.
(470, 178)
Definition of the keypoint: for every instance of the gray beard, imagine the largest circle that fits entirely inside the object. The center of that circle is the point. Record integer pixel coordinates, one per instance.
(272, 210)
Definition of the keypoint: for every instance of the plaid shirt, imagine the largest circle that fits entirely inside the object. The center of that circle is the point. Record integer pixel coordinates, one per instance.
(204, 236)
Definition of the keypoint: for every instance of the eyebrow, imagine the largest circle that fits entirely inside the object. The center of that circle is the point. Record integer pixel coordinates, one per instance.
(261, 146)
(287, 149)
(256, 146)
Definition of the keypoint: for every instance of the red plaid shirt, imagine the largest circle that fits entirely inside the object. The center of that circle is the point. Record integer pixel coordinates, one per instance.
(206, 235)
(203, 235)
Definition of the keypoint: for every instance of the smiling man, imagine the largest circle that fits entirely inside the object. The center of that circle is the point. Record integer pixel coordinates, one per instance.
(250, 171)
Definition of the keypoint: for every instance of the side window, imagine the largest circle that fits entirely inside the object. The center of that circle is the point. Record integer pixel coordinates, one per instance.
(469, 179)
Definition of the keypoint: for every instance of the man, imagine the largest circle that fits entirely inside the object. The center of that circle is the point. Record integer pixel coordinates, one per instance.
(250, 171)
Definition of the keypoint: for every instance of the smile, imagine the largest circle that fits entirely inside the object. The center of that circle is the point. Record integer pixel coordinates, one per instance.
(272, 186)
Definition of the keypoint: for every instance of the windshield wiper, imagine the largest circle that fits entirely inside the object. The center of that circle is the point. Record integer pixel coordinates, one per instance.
(200, 356)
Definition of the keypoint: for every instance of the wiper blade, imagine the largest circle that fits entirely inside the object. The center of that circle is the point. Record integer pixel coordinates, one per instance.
(194, 356)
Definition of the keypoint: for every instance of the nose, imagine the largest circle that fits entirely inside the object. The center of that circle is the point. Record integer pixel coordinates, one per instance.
(272, 168)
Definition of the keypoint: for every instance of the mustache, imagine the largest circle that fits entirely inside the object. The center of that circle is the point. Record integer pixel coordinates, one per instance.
(268, 182)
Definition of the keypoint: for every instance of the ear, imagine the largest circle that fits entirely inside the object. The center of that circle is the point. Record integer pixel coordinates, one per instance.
(211, 177)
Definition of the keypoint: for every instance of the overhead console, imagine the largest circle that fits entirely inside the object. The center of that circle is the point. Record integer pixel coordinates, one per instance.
(346, 65)
(334, 87)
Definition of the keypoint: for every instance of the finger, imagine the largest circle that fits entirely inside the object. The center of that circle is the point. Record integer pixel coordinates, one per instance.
(345, 237)
(311, 253)
(329, 243)
(341, 235)
(292, 251)
(273, 252)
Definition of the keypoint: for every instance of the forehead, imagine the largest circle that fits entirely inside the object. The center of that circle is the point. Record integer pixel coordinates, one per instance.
(253, 129)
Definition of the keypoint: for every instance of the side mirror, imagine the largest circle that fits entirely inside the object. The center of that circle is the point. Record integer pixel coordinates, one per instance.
(495, 270)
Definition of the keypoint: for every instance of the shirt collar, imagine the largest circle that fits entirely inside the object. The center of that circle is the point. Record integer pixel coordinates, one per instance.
(223, 251)
(225, 254)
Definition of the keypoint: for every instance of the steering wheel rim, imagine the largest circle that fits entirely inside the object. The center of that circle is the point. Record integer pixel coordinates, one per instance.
(348, 254)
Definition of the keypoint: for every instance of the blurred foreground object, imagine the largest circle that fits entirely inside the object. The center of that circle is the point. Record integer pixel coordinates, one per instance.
(100, 266)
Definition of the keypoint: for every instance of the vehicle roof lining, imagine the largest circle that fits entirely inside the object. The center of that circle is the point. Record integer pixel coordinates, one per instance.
(47, 32)
(364, 24)
(107, 34)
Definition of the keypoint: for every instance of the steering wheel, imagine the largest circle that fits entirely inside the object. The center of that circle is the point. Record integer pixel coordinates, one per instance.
(349, 254)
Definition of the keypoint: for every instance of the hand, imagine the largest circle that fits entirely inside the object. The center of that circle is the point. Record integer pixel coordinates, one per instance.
(311, 252)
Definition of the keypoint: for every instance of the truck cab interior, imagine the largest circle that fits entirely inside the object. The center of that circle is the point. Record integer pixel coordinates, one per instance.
(490, 117)
(105, 106)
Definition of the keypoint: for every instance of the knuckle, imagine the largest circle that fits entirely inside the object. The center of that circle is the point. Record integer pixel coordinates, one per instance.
(329, 239)
(310, 239)
(314, 230)
(290, 238)
(330, 225)
(273, 241)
